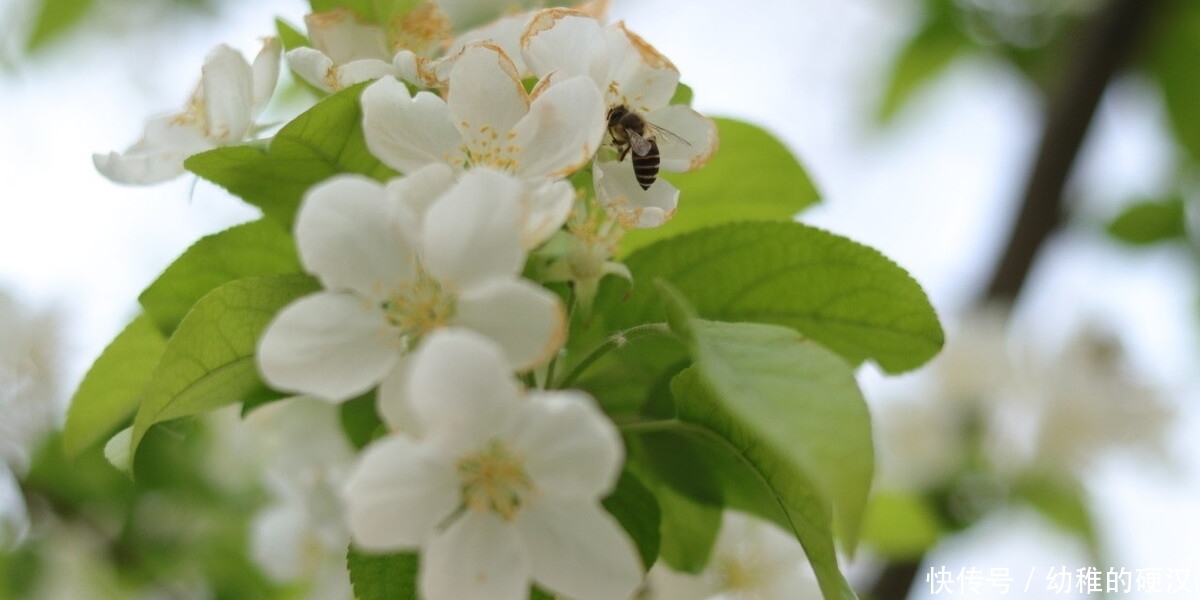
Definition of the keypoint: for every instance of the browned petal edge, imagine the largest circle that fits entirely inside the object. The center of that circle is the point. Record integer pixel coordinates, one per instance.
(650, 55)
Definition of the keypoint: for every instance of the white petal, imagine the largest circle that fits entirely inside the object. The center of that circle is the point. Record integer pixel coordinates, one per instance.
(228, 87)
(567, 42)
(313, 66)
(578, 550)
(14, 517)
(697, 132)
(562, 130)
(572, 450)
(414, 193)
(398, 494)
(277, 540)
(645, 78)
(158, 156)
(393, 403)
(617, 188)
(527, 320)
(407, 132)
(473, 232)
(548, 204)
(347, 237)
(358, 71)
(344, 37)
(329, 345)
(265, 73)
(505, 32)
(479, 557)
(461, 389)
(486, 97)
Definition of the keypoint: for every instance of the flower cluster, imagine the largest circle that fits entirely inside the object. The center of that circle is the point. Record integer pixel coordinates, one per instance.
(426, 301)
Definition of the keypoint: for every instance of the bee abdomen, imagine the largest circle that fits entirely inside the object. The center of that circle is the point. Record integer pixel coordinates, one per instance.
(645, 168)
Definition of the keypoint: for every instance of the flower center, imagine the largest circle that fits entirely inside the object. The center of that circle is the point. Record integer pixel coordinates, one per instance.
(494, 478)
(419, 307)
(742, 575)
(489, 148)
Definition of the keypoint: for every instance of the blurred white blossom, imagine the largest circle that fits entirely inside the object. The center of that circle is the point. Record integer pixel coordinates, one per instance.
(222, 110)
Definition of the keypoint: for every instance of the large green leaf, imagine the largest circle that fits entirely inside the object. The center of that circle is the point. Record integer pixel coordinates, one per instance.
(325, 140)
(845, 296)
(113, 386)
(259, 248)
(901, 526)
(209, 361)
(751, 177)
(800, 398)
(689, 528)
(714, 459)
(636, 509)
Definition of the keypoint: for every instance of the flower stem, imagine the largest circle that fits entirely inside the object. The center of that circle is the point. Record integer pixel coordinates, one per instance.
(613, 342)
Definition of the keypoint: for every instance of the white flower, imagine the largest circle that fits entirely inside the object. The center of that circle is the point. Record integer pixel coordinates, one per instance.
(502, 490)
(752, 560)
(488, 120)
(14, 516)
(221, 111)
(345, 51)
(398, 262)
(632, 74)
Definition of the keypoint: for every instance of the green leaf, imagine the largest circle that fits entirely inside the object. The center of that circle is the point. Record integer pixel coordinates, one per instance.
(324, 141)
(54, 18)
(113, 386)
(209, 361)
(290, 36)
(841, 294)
(683, 95)
(360, 421)
(1171, 51)
(383, 576)
(262, 247)
(799, 397)
(379, 12)
(689, 528)
(751, 177)
(1063, 501)
(707, 450)
(921, 61)
(636, 509)
(1150, 222)
(901, 526)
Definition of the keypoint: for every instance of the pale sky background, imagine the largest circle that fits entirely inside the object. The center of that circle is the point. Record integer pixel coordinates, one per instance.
(933, 192)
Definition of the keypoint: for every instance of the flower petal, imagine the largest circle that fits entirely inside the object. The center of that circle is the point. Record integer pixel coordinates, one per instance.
(527, 320)
(393, 403)
(473, 232)
(358, 71)
(398, 494)
(697, 137)
(346, 235)
(578, 550)
(344, 37)
(571, 449)
(548, 205)
(265, 75)
(505, 33)
(412, 195)
(618, 190)
(567, 42)
(313, 66)
(564, 127)
(158, 156)
(227, 84)
(329, 345)
(407, 132)
(461, 389)
(486, 97)
(478, 557)
(645, 79)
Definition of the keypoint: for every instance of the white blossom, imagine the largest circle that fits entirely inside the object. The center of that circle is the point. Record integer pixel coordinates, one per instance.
(399, 261)
(751, 560)
(221, 111)
(504, 488)
(488, 120)
(345, 50)
(633, 74)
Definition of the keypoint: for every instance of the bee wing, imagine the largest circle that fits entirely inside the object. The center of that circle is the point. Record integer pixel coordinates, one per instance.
(641, 146)
(666, 134)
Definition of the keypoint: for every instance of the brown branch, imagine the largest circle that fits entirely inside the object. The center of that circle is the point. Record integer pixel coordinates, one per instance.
(1107, 43)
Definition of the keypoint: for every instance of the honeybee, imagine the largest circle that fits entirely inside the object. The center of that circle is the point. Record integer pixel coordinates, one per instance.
(632, 132)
